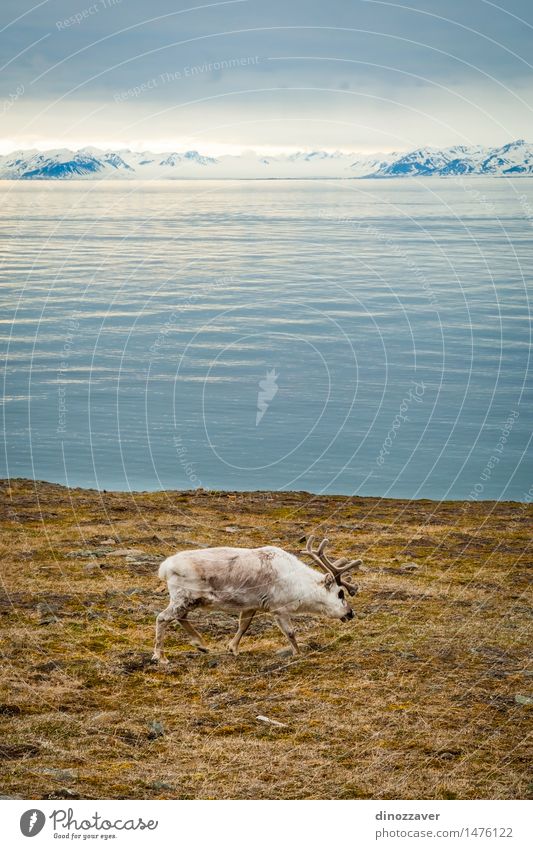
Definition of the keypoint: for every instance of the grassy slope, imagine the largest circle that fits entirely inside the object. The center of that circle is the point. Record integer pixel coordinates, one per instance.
(415, 698)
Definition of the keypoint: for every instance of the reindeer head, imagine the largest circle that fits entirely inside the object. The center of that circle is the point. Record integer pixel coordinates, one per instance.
(334, 582)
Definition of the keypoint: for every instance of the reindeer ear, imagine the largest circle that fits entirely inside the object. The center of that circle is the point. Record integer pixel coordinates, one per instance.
(329, 580)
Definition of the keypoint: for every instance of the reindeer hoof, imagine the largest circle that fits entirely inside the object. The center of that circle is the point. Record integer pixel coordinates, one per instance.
(286, 653)
(233, 649)
(162, 661)
(203, 649)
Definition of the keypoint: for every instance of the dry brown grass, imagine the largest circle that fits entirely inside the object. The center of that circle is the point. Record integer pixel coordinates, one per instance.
(414, 699)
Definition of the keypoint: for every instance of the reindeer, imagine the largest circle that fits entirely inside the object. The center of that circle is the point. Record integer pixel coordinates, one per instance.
(245, 580)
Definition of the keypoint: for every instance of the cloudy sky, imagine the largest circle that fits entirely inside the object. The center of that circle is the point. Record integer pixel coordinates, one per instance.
(354, 75)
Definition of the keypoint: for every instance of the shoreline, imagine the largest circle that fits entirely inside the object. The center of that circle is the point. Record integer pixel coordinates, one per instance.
(263, 493)
(197, 179)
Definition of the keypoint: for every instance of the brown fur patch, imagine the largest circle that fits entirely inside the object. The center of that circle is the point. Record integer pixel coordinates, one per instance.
(238, 575)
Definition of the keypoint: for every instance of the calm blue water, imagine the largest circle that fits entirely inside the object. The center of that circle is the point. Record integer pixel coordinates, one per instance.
(367, 337)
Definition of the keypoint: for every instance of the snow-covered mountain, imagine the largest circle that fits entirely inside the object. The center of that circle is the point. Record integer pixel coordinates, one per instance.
(515, 158)
(511, 159)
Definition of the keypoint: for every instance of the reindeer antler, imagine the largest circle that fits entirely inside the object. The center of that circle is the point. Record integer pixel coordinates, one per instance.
(337, 568)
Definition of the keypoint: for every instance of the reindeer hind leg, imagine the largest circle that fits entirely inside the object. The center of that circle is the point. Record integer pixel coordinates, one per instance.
(245, 620)
(176, 611)
(161, 624)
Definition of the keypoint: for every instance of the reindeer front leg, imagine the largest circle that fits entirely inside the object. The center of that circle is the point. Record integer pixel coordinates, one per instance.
(245, 620)
(284, 624)
(196, 637)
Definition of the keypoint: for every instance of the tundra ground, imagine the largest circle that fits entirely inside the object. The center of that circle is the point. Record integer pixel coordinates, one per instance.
(426, 694)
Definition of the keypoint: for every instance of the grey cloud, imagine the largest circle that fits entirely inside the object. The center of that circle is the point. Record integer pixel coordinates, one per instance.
(369, 48)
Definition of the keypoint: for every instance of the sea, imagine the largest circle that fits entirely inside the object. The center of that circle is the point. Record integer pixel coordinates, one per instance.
(360, 337)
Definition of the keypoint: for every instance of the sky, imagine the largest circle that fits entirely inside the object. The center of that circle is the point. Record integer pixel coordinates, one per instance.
(268, 75)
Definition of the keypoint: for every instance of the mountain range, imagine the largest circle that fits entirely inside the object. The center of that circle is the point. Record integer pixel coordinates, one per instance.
(513, 159)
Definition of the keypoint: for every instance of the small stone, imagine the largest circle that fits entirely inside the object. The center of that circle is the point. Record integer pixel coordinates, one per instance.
(156, 730)
(268, 721)
(409, 567)
(49, 666)
(212, 663)
(523, 700)
(231, 530)
(124, 552)
(47, 613)
(142, 558)
(161, 785)
(448, 754)
(61, 774)
(109, 541)
(93, 552)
